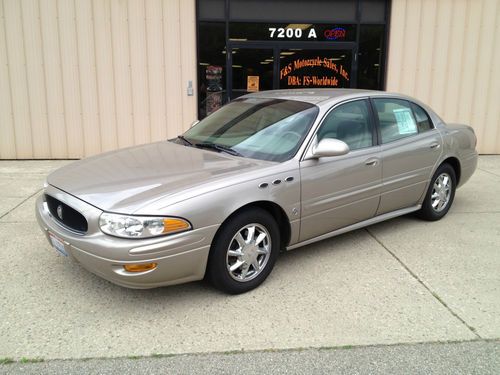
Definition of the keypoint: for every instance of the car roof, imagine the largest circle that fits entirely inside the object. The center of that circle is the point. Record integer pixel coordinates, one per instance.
(313, 96)
(327, 97)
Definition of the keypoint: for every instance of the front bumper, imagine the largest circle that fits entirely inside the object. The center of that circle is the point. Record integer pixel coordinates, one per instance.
(181, 257)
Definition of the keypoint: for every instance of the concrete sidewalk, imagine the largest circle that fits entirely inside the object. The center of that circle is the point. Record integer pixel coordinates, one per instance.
(402, 281)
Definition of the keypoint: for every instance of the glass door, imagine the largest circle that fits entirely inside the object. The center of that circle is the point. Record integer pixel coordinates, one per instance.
(252, 69)
(266, 66)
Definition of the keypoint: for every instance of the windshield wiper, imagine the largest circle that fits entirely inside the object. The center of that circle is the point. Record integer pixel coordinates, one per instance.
(218, 147)
(184, 139)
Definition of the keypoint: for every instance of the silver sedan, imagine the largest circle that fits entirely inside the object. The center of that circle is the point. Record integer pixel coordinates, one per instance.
(269, 172)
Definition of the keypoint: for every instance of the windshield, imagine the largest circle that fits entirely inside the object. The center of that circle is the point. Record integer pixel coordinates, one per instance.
(267, 129)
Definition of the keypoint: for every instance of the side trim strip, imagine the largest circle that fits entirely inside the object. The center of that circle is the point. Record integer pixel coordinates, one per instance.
(361, 224)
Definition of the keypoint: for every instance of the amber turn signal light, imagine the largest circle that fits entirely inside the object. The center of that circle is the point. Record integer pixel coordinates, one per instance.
(172, 225)
(140, 267)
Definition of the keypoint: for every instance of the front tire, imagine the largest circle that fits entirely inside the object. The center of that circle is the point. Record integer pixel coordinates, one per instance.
(440, 194)
(244, 251)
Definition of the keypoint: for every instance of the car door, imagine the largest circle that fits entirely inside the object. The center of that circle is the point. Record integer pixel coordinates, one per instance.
(342, 190)
(410, 148)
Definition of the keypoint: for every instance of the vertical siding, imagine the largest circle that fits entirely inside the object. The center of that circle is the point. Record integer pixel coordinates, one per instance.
(188, 56)
(36, 80)
(70, 77)
(88, 78)
(79, 77)
(121, 66)
(17, 84)
(444, 53)
(172, 28)
(7, 131)
(53, 79)
(101, 11)
(156, 69)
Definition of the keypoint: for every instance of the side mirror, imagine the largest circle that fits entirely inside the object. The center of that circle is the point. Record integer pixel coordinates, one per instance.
(330, 147)
(194, 123)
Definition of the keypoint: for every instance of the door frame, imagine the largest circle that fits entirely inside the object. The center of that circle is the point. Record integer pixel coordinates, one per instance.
(277, 46)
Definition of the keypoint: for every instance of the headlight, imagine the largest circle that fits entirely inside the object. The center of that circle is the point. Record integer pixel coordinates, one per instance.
(141, 226)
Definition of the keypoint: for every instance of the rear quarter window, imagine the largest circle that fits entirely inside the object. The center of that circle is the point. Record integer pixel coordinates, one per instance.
(424, 122)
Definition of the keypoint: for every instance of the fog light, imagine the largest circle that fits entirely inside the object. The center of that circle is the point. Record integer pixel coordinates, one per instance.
(140, 267)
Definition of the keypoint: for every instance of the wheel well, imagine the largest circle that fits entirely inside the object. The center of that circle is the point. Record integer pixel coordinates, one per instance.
(455, 165)
(279, 215)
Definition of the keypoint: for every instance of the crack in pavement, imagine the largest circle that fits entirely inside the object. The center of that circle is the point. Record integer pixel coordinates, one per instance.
(24, 200)
(487, 171)
(421, 282)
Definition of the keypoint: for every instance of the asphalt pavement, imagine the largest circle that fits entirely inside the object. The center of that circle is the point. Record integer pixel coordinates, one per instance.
(426, 359)
(403, 281)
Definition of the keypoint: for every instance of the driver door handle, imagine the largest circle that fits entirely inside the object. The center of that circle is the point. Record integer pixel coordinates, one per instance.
(372, 162)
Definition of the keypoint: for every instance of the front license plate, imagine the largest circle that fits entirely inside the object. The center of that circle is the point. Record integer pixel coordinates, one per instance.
(58, 244)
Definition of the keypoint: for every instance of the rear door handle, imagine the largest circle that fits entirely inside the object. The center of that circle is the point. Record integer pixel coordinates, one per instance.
(435, 145)
(371, 162)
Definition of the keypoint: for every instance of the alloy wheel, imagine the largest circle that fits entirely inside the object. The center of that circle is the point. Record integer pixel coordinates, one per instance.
(248, 252)
(441, 192)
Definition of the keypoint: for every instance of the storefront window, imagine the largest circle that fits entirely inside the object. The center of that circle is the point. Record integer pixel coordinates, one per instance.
(370, 61)
(211, 67)
(304, 68)
(255, 45)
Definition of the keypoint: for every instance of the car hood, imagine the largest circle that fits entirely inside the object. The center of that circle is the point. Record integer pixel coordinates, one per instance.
(123, 181)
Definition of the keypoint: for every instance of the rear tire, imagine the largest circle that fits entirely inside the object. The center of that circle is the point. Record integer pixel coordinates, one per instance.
(244, 251)
(440, 194)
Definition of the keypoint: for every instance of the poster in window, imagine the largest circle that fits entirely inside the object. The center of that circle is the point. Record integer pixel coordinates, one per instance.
(214, 88)
(253, 83)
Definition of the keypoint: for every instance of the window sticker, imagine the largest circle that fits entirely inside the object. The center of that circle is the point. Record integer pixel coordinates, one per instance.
(405, 120)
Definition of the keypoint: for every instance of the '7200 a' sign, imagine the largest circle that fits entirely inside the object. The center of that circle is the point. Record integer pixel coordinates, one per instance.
(291, 33)
(329, 33)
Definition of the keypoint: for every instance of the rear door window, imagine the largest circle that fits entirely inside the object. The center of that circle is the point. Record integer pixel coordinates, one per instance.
(396, 119)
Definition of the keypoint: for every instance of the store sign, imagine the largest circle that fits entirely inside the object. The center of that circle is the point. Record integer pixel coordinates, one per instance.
(304, 73)
(291, 33)
(337, 33)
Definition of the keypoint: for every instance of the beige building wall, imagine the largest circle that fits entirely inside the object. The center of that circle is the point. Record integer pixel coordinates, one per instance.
(79, 77)
(446, 53)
